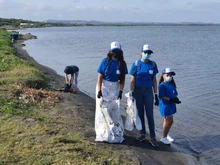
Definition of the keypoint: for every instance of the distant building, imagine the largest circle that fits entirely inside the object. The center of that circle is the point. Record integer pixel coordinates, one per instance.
(23, 24)
(26, 25)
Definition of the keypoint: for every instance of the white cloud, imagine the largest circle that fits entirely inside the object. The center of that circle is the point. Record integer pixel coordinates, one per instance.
(114, 10)
(81, 7)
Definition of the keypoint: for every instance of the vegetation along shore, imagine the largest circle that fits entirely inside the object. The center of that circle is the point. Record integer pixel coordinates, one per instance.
(39, 125)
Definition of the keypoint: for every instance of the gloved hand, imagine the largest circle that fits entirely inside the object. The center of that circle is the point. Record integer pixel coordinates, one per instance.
(99, 94)
(156, 103)
(133, 94)
(66, 88)
(120, 95)
(175, 100)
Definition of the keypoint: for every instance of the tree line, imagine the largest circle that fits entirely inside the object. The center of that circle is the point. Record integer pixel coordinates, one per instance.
(16, 23)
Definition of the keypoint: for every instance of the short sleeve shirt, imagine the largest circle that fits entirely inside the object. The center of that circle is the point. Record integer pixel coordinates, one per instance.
(110, 72)
(144, 72)
(167, 90)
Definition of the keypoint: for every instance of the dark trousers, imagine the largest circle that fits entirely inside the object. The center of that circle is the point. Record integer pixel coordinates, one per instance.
(144, 102)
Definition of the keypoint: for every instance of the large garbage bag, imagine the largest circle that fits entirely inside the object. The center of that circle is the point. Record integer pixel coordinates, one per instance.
(108, 122)
(132, 119)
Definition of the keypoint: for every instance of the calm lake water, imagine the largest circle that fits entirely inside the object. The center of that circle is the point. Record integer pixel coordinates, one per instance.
(193, 52)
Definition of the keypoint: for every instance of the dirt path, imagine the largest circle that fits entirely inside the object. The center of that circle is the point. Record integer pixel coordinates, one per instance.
(79, 111)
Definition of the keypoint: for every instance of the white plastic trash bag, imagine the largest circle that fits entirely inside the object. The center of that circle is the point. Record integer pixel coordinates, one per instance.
(108, 122)
(132, 119)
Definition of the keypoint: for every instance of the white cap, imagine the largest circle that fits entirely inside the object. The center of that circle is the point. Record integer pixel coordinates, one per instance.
(168, 71)
(146, 48)
(115, 45)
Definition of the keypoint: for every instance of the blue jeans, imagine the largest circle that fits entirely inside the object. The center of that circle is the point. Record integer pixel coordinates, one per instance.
(144, 101)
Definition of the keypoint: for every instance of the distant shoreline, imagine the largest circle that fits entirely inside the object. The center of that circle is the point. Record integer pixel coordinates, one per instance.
(13, 24)
(109, 24)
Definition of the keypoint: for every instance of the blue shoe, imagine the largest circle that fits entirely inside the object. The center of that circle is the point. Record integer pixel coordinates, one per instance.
(141, 138)
(153, 142)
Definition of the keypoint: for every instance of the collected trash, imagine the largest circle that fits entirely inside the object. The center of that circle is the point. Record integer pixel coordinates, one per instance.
(68, 89)
(132, 119)
(37, 95)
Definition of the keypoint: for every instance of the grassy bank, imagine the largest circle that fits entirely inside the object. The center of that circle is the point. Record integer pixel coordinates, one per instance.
(29, 133)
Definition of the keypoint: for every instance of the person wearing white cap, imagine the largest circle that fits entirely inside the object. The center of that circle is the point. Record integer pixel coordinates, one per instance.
(143, 84)
(167, 102)
(110, 85)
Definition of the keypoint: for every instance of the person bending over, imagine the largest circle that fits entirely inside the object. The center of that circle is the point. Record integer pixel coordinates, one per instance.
(71, 74)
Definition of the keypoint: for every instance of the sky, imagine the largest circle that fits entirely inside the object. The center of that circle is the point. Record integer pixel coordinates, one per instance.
(174, 11)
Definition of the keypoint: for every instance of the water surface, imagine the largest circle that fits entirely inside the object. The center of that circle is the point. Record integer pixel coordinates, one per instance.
(191, 51)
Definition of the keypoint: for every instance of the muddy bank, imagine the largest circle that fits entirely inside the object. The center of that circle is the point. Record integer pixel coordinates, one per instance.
(81, 109)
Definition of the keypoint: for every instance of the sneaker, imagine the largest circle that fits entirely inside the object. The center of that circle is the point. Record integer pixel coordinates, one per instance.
(170, 138)
(141, 138)
(153, 142)
(75, 91)
(164, 140)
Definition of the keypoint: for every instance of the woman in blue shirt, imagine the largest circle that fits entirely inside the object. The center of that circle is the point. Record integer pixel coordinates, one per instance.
(167, 102)
(143, 83)
(110, 85)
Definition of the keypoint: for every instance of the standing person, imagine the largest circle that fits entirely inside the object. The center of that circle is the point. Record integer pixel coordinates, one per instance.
(167, 102)
(143, 84)
(110, 85)
(73, 71)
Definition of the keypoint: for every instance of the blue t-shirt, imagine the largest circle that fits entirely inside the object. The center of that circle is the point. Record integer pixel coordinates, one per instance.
(144, 73)
(110, 73)
(167, 90)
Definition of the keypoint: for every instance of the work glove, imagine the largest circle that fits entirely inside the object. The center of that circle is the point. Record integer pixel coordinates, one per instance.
(132, 94)
(66, 88)
(120, 95)
(99, 94)
(156, 103)
(175, 100)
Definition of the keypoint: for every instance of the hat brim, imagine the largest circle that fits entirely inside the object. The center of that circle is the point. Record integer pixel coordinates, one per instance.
(173, 73)
(115, 49)
(150, 51)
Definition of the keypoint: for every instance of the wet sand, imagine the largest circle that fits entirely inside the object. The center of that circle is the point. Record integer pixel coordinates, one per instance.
(81, 107)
